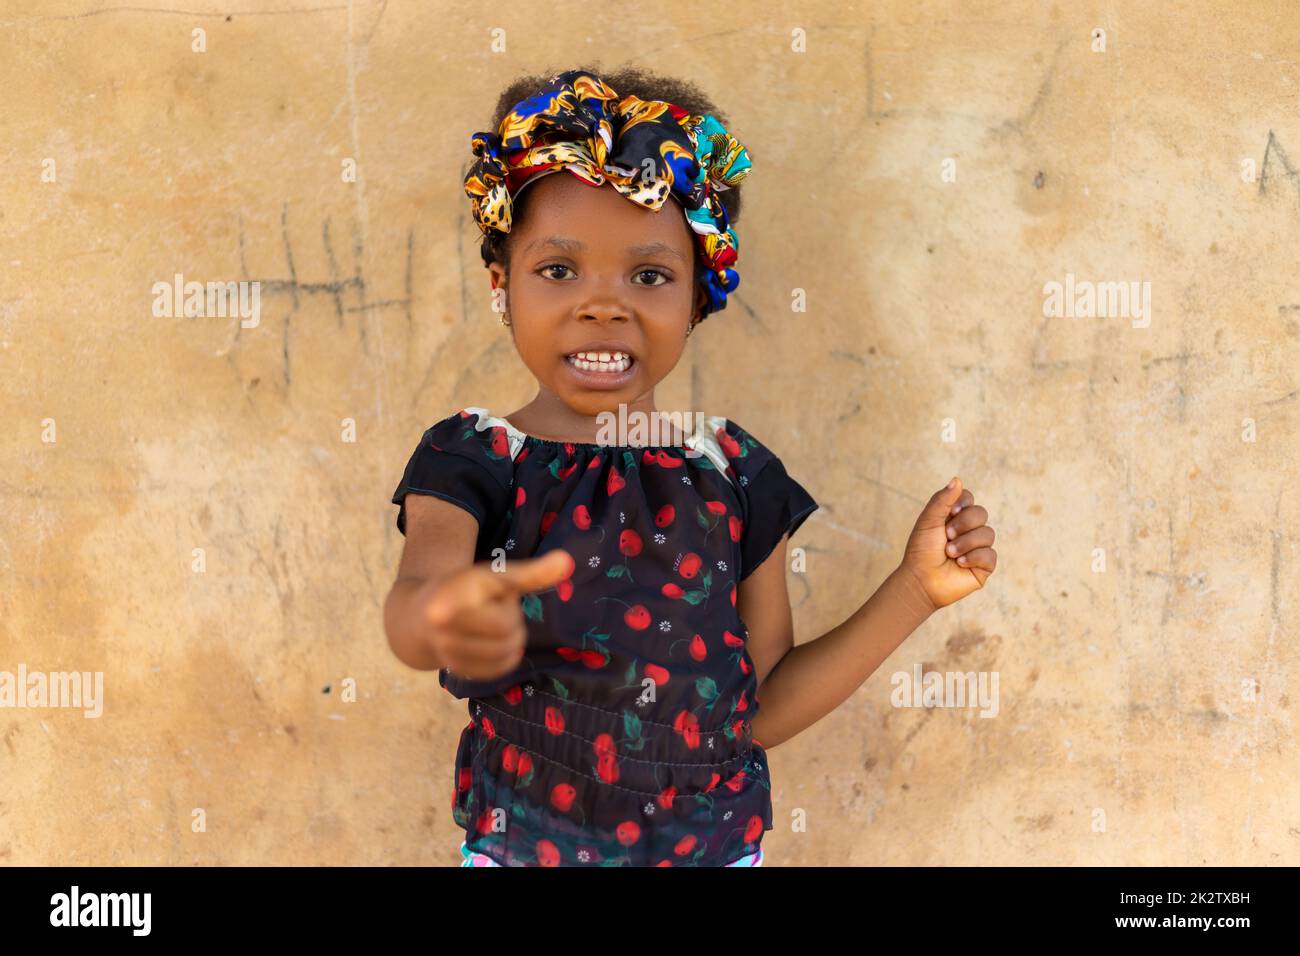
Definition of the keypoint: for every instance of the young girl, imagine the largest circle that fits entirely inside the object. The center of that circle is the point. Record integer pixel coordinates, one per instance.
(612, 610)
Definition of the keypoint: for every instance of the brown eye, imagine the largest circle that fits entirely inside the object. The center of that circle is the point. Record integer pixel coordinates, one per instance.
(652, 272)
(545, 270)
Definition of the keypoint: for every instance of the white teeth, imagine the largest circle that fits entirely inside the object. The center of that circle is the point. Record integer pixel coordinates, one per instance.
(601, 361)
(600, 356)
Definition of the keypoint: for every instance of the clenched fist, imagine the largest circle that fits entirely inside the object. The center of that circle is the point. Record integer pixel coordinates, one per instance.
(950, 549)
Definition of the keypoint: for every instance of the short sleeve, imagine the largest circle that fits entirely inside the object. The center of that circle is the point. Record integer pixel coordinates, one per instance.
(774, 503)
(459, 463)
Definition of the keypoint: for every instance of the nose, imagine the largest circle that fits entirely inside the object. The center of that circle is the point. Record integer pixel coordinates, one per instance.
(605, 313)
(601, 297)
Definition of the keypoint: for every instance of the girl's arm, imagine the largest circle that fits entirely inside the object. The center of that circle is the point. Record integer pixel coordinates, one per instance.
(807, 682)
(440, 539)
(948, 556)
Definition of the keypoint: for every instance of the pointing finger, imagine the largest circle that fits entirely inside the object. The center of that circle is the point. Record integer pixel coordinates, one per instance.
(536, 574)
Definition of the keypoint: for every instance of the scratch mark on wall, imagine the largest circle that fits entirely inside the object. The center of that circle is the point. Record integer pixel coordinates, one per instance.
(1289, 172)
(383, 6)
(739, 299)
(293, 288)
(363, 221)
(869, 69)
(460, 261)
(334, 271)
(358, 273)
(371, 589)
(170, 11)
(1020, 124)
(853, 533)
(408, 283)
(336, 287)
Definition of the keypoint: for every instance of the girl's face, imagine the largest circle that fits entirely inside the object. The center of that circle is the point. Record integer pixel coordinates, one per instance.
(592, 271)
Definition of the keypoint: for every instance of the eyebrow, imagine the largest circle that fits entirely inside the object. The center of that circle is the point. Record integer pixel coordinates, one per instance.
(573, 245)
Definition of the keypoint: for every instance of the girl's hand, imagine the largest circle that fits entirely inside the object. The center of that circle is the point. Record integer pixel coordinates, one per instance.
(950, 549)
(476, 623)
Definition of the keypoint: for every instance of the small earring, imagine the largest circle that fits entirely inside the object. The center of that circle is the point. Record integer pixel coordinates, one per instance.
(505, 321)
(689, 329)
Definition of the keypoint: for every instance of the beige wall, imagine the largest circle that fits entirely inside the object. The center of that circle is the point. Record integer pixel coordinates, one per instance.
(1121, 691)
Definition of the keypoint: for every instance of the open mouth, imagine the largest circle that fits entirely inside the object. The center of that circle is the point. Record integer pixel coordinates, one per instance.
(610, 363)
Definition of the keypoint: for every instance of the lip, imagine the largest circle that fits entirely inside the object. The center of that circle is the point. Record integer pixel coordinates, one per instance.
(601, 380)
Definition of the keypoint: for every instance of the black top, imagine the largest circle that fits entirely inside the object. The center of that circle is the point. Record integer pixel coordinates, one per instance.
(623, 737)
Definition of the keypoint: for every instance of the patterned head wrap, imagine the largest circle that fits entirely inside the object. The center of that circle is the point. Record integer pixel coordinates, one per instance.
(646, 149)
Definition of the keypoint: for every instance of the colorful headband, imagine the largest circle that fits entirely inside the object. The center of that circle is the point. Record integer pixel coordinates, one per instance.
(647, 149)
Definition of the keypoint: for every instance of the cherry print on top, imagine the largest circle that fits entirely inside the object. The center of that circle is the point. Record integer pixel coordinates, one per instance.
(623, 736)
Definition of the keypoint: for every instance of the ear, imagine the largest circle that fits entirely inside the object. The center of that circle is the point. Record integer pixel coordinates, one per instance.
(497, 276)
(701, 300)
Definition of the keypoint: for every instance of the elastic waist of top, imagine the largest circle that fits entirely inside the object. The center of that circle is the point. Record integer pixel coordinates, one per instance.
(544, 722)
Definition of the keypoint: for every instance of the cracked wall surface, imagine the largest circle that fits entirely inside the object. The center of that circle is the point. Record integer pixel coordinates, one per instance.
(1142, 617)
